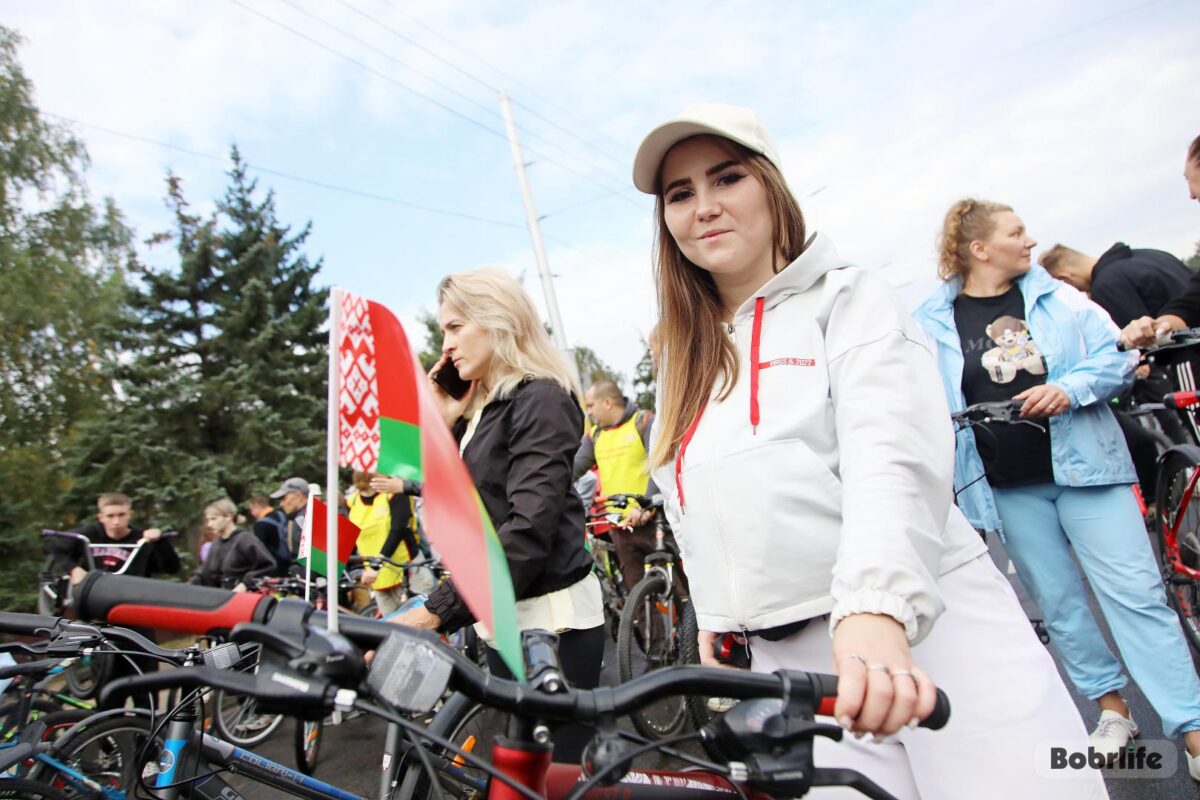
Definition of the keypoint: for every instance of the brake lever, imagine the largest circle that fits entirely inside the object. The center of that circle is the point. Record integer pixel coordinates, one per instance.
(851, 779)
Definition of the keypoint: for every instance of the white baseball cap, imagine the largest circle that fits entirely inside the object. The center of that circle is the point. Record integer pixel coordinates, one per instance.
(732, 122)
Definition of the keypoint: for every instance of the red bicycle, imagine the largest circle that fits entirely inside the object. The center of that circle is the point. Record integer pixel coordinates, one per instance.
(1177, 525)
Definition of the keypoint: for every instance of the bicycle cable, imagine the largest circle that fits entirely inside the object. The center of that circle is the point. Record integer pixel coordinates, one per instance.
(594, 780)
(710, 766)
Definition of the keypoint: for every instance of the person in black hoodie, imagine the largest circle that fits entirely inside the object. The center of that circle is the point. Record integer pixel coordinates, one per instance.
(1184, 309)
(1130, 283)
(518, 428)
(237, 557)
(1127, 283)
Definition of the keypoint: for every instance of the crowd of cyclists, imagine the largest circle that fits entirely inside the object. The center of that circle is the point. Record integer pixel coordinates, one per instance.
(826, 510)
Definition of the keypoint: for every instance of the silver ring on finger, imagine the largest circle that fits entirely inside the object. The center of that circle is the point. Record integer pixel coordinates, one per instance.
(897, 672)
(879, 668)
(856, 657)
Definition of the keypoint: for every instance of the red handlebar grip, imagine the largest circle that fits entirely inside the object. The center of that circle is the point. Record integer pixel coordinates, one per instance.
(1181, 399)
(181, 607)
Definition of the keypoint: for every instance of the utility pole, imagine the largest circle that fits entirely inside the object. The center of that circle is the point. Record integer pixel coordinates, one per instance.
(535, 233)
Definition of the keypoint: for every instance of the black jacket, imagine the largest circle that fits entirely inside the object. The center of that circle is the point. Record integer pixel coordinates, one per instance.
(520, 460)
(235, 560)
(155, 558)
(1186, 305)
(1130, 284)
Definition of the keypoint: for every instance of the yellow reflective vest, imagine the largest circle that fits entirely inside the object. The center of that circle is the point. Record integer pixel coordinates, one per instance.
(621, 458)
(375, 522)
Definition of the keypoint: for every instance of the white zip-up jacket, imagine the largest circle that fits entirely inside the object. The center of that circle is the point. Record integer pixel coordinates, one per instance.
(823, 483)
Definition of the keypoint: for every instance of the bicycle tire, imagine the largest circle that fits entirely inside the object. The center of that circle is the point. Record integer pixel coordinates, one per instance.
(1183, 593)
(236, 719)
(644, 645)
(88, 673)
(457, 720)
(306, 744)
(107, 752)
(24, 789)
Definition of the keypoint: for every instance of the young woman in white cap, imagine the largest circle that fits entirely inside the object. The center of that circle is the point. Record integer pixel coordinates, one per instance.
(804, 446)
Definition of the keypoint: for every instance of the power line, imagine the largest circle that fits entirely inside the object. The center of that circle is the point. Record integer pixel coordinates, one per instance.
(586, 125)
(286, 175)
(422, 95)
(486, 109)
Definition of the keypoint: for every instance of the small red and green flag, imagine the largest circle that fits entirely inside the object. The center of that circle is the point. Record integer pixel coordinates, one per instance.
(391, 424)
(314, 543)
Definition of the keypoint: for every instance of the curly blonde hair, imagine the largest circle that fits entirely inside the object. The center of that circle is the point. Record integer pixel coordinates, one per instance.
(967, 221)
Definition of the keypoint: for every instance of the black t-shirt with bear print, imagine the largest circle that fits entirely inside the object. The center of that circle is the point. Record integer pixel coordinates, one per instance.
(1001, 360)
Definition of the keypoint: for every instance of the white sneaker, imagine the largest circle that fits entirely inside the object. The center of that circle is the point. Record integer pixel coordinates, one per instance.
(1193, 765)
(1113, 732)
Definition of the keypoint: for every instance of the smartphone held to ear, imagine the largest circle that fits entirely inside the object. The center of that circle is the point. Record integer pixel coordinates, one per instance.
(451, 382)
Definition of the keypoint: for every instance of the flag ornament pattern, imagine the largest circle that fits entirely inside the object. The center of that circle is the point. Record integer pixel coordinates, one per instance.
(383, 401)
(314, 544)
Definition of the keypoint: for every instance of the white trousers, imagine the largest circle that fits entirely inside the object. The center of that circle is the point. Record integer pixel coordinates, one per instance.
(1007, 703)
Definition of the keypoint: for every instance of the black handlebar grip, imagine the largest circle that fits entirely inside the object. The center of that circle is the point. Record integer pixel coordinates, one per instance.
(26, 624)
(182, 607)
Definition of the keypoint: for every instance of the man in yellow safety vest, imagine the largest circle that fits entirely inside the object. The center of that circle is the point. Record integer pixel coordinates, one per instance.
(618, 448)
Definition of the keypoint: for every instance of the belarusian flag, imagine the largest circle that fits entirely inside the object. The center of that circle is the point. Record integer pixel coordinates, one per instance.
(391, 424)
(314, 544)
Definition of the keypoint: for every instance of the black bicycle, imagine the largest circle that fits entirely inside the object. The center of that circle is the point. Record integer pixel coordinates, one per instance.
(767, 742)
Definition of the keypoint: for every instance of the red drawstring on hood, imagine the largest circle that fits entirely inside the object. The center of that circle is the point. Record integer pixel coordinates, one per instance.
(755, 416)
(755, 336)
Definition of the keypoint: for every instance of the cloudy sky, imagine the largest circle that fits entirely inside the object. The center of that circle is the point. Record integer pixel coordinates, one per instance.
(379, 121)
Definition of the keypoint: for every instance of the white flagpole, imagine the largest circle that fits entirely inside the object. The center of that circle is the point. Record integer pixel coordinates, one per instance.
(331, 458)
(306, 546)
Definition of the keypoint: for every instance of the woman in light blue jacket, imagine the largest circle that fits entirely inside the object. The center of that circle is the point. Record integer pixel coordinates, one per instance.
(1005, 329)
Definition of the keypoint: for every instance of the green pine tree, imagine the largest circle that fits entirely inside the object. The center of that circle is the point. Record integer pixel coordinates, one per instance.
(644, 385)
(433, 340)
(592, 368)
(62, 261)
(223, 374)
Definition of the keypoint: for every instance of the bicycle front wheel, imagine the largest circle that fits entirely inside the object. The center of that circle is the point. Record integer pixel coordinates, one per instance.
(306, 744)
(238, 720)
(648, 639)
(114, 752)
(1180, 512)
(470, 726)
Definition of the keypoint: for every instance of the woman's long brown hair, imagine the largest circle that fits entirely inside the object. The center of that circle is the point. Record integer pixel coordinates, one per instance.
(691, 315)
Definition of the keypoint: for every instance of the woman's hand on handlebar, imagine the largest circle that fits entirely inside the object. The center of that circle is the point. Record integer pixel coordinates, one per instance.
(880, 690)
(1046, 400)
(369, 575)
(452, 410)
(419, 617)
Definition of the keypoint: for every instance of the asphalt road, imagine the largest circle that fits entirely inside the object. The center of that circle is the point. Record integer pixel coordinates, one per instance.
(350, 752)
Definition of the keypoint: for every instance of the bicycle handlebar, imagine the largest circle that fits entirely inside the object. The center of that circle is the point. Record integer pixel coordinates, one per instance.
(202, 610)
